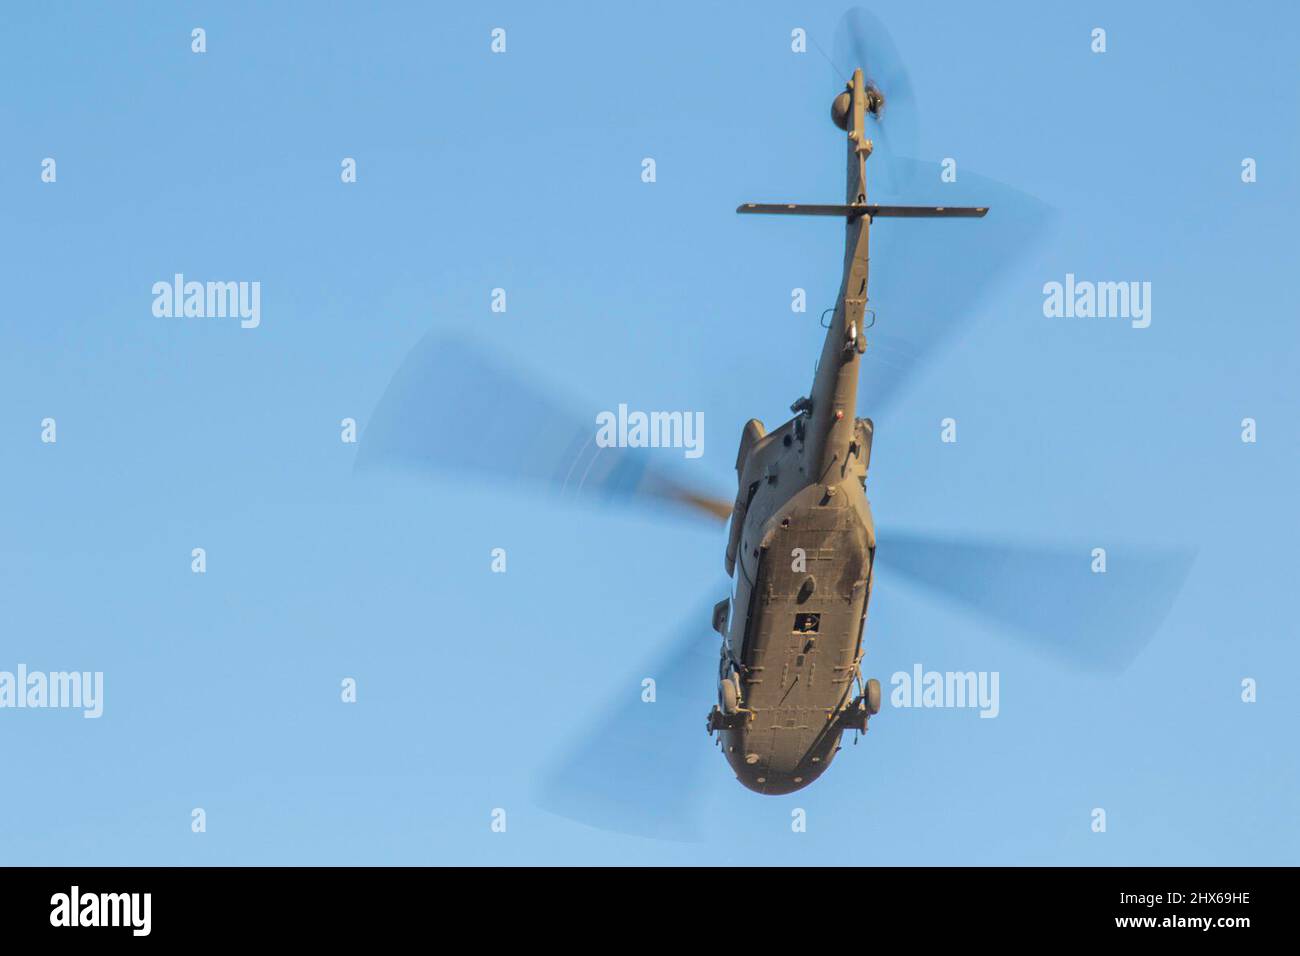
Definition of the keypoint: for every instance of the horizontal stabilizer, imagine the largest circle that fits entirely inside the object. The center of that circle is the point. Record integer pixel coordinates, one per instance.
(926, 212)
(796, 209)
(853, 212)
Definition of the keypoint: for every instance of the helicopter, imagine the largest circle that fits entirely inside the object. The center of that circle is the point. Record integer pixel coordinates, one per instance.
(802, 542)
(637, 766)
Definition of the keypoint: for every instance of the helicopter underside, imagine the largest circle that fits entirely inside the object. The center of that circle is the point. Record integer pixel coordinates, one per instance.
(798, 657)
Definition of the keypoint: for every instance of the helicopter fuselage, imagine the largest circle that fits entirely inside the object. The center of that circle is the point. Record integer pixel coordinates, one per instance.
(801, 546)
(802, 543)
(794, 638)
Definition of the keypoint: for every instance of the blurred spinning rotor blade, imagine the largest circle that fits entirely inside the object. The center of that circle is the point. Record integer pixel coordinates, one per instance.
(451, 409)
(928, 275)
(1050, 595)
(640, 768)
(861, 41)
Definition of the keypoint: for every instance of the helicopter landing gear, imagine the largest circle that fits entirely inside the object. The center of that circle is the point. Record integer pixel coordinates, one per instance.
(863, 708)
(729, 694)
(855, 717)
(720, 721)
(872, 696)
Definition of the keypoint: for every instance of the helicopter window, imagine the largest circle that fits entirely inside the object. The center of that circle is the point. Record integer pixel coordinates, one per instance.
(807, 623)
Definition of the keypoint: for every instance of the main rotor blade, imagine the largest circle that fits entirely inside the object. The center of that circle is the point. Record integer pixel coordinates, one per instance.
(1051, 595)
(639, 770)
(925, 276)
(451, 408)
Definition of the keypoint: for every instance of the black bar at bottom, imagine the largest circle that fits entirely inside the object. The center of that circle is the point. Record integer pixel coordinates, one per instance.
(334, 904)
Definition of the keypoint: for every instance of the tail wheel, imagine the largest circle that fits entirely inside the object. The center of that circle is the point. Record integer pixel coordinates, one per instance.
(872, 696)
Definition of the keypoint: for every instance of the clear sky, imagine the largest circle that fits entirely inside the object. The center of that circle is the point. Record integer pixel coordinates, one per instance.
(523, 171)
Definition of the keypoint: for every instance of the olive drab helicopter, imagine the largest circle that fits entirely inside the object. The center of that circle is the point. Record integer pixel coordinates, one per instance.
(800, 554)
(802, 542)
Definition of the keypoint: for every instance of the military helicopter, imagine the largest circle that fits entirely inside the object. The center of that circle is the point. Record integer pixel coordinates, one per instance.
(801, 543)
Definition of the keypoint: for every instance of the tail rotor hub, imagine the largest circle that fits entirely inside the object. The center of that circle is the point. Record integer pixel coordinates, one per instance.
(843, 103)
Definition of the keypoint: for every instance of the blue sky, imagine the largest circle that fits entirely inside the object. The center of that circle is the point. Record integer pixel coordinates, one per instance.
(522, 171)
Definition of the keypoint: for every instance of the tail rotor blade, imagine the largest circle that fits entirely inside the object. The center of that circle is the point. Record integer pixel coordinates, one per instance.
(861, 40)
(1051, 595)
